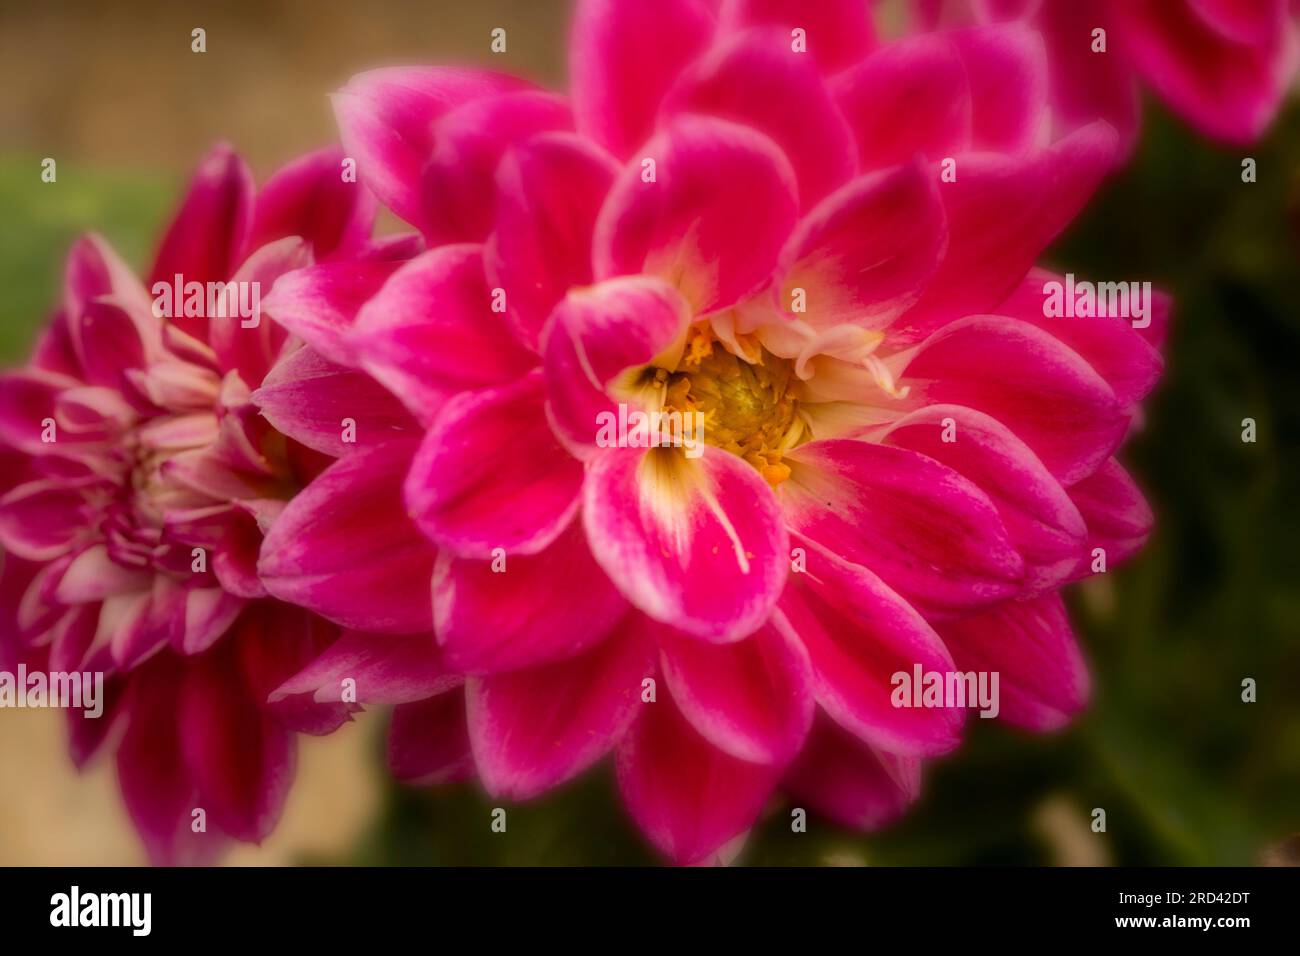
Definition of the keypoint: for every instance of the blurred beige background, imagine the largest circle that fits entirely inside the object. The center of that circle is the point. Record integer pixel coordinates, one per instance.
(115, 81)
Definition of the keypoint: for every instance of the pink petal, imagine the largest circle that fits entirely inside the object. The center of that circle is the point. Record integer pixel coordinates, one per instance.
(540, 608)
(93, 576)
(910, 96)
(1087, 86)
(688, 797)
(157, 788)
(930, 534)
(863, 255)
(1042, 680)
(850, 782)
(756, 79)
(752, 699)
(241, 760)
(457, 185)
(386, 669)
(41, 520)
(310, 198)
(251, 350)
(208, 614)
(309, 398)
(1117, 351)
(1055, 402)
(723, 201)
(838, 32)
(431, 331)
(596, 336)
(26, 400)
(345, 548)
(533, 729)
(319, 304)
(209, 236)
(696, 543)
(1228, 89)
(549, 191)
(491, 475)
(1042, 522)
(1002, 211)
(386, 119)
(1118, 517)
(428, 741)
(1007, 73)
(623, 57)
(859, 634)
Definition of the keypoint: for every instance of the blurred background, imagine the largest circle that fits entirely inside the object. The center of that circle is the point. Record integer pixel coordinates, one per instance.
(1187, 772)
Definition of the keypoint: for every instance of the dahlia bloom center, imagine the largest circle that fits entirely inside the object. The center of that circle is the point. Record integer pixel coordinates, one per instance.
(749, 408)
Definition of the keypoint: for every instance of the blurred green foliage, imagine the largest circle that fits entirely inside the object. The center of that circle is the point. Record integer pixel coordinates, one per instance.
(1187, 772)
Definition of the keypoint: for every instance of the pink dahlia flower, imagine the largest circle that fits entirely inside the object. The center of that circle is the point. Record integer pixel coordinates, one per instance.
(141, 478)
(718, 224)
(1224, 65)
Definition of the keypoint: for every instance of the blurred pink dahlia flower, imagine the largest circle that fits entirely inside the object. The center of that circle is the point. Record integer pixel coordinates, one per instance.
(753, 213)
(140, 478)
(1224, 65)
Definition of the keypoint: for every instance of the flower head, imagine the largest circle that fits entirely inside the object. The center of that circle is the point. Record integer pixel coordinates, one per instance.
(822, 247)
(143, 479)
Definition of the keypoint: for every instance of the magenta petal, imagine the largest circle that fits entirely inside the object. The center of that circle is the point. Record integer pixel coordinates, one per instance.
(345, 548)
(241, 760)
(491, 475)
(688, 797)
(1056, 403)
(386, 119)
(537, 609)
(1042, 522)
(251, 350)
(41, 520)
(1042, 679)
(598, 334)
(623, 57)
(837, 32)
(908, 97)
(752, 699)
(385, 669)
(1199, 63)
(549, 191)
(850, 782)
(319, 304)
(209, 236)
(1118, 517)
(1002, 212)
(1007, 72)
(859, 634)
(159, 793)
(310, 198)
(1124, 356)
(930, 534)
(535, 728)
(428, 741)
(756, 79)
(457, 191)
(310, 399)
(723, 201)
(865, 252)
(695, 543)
(431, 331)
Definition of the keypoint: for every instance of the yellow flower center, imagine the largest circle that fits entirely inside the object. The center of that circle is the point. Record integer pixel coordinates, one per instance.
(749, 409)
